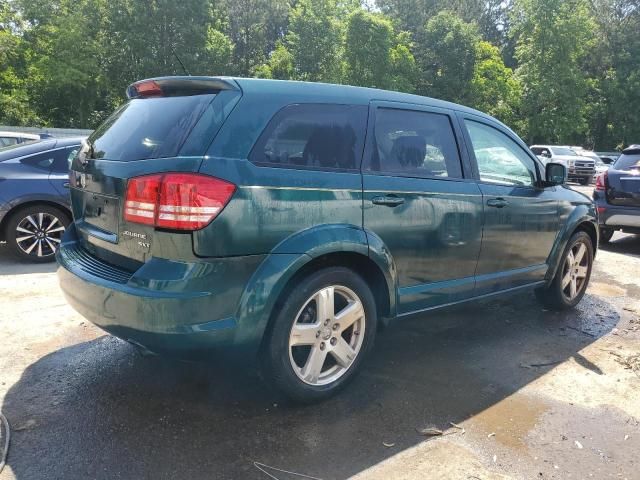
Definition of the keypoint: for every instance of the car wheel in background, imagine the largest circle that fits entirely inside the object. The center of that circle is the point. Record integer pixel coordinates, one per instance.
(320, 335)
(572, 277)
(606, 234)
(34, 232)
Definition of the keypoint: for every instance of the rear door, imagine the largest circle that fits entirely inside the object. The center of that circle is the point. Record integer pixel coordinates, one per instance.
(520, 218)
(419, 201)
(166, 126)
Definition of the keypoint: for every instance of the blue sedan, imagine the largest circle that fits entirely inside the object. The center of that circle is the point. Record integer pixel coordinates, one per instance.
(34, 196)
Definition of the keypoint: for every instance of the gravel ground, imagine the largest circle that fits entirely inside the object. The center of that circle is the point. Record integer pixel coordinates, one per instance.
(534, 394)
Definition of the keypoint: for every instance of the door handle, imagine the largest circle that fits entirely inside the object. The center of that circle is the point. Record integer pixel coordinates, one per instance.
(388, 200)
(65, 184)
(497, 202)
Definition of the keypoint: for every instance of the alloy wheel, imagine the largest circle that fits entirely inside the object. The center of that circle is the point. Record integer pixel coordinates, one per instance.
(575, 271)
(39, 234)
(327, 335)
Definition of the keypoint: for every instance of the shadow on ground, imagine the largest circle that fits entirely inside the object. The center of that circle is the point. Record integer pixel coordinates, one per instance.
(9, 265)
(627, 244)
(100, 410)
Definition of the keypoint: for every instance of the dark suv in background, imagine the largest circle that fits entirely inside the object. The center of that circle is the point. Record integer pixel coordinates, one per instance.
(34, 196)
(289, 220)
(617, 195)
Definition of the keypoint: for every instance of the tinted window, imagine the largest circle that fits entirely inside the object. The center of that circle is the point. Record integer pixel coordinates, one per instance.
(46, 160)
(313, 136)
(148, 128)
(62, 162)
(628, 162)
(412, 143)
(499, 158)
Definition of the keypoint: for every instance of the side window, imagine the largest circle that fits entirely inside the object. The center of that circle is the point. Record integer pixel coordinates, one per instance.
(6, 141)
(315, 136)
(415, 144)
(62, 161)
(500, 159)
(42, 161)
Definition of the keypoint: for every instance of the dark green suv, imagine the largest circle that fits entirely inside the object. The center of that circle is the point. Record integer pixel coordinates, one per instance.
(289, 220)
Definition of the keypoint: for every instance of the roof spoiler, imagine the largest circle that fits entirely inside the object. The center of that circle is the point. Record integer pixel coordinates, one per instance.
(179, 86)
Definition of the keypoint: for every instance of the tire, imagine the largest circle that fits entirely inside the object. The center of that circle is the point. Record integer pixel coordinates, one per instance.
(557, 297)
(606, 234)
(585, 181)
(34, 232)
(287, 357)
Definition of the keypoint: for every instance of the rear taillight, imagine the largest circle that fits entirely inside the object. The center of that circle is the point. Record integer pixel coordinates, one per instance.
(181, 201)
(601, 182)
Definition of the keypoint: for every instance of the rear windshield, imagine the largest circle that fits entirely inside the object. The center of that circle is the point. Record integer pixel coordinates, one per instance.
(148, 128)
(628, 162)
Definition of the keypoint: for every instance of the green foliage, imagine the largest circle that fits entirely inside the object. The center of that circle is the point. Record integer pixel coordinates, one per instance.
(447, 57)
(565, 71)
(494, 88)
(553, 38)
(314, 39)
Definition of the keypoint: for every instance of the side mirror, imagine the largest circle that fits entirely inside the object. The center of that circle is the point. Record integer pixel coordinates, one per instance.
(546, 154)
(555, 173)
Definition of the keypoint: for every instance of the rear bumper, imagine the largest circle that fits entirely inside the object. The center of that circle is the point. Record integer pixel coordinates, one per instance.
(617, 217)
(168, 307)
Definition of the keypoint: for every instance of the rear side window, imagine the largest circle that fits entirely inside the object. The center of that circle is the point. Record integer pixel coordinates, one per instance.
(314, 136)
(148, 128)
(415, 144)
(5, 141)
(46, 160)
(628, 162)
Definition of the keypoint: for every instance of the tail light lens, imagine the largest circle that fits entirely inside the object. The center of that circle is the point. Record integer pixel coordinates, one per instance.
(181, 201)
(601, 182)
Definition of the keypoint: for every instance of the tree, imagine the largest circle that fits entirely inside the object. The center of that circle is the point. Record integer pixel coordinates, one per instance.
(494, 88)
(552, 40)
(368, 43)
(314, 40)
(446, 56)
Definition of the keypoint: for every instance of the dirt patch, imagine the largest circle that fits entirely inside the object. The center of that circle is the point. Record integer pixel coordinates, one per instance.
(606, 290)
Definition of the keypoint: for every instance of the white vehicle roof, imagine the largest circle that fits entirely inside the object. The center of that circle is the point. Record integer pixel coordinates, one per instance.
(30, 136)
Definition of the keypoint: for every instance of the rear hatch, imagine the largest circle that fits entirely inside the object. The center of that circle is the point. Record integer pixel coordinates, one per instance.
(166, 126)
(623, 179)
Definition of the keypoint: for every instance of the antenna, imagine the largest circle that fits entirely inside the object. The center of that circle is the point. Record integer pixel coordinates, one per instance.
(180, 61)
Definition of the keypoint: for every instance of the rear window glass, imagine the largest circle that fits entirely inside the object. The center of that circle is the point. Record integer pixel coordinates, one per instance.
(148, 128)
(628, 162)
(315, 136)
(414, 143)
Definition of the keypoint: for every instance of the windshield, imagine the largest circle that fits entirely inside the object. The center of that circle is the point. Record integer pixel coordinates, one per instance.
(563, 151)
(148, 128)
(628, 162)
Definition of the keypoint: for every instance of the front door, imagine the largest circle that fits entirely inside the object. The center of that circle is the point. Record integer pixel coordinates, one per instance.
(418, 202)
(520, 217)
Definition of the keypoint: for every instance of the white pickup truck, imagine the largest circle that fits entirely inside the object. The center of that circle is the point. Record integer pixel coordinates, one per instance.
(579, 167)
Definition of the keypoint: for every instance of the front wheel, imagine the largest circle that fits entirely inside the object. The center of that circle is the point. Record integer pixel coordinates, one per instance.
(321, 335)
(572, 277)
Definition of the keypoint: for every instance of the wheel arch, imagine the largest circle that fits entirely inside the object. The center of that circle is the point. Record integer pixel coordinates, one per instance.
(325, 246)
(582, 218)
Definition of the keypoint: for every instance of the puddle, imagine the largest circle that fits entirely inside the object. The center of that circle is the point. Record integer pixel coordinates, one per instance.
(510, 420)
(606, 290)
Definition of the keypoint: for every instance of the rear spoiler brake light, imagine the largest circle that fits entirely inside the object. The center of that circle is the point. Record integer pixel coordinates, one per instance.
(179, 86)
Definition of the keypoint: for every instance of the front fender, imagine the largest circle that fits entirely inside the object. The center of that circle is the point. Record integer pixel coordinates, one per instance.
(287, 258)
(571, 217)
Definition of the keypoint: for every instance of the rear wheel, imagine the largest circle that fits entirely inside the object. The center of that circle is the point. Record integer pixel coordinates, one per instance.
(34, 232)
(321, 335)
(606, 234)
(571, 280)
